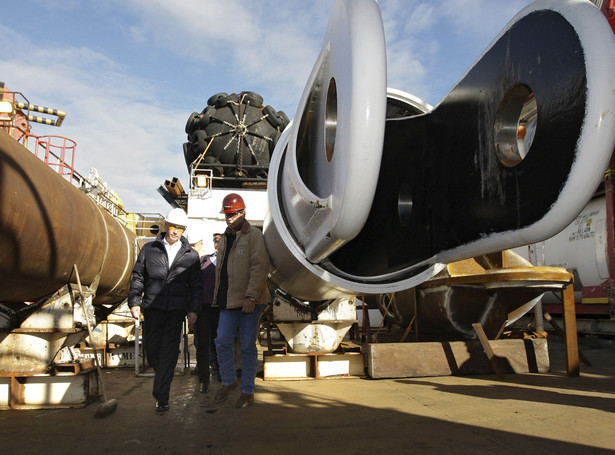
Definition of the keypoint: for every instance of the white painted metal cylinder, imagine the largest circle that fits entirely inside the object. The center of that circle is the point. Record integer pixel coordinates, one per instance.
(580, 247)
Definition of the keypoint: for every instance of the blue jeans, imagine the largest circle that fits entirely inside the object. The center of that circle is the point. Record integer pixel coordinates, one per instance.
(229, 321)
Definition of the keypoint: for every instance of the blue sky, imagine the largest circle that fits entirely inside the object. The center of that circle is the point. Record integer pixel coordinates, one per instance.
(130, 72)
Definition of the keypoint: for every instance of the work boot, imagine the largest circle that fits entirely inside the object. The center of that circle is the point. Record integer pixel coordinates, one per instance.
(246, 399)
(162, 406)
(222, 394)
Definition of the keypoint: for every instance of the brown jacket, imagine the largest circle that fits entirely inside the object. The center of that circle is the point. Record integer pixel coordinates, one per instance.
(247, 268)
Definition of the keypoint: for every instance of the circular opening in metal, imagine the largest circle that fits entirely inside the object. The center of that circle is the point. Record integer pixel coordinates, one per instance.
(331, 119)
(404, 204)
(515, 125)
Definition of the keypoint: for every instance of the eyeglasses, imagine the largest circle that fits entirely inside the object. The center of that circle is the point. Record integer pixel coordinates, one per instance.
(231, 215)
(179, 229)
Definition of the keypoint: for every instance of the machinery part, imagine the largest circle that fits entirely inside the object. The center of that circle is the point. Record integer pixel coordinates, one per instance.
(453, 182)
(397, 308)
(324, 169)
(315, 326)
(337, 134)
(494, 290)
(444, 193)
(47, 225)
(32, 346)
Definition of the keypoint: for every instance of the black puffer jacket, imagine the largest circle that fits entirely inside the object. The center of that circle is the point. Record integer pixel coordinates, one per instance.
(155, 285)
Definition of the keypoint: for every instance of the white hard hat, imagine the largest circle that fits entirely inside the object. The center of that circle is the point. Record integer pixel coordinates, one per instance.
(177, 217)
(194, 236)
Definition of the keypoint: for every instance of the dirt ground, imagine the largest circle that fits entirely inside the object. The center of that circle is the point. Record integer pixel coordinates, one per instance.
(523, 413)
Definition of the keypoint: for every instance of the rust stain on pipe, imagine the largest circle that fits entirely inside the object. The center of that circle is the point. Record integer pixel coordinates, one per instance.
(47, 225)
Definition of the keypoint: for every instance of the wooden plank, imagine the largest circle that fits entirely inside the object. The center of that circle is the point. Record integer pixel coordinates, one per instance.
(570, 327)
(407, 360)
(484, 341)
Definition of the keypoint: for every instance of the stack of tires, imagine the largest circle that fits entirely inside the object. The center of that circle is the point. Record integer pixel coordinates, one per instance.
(242, 131)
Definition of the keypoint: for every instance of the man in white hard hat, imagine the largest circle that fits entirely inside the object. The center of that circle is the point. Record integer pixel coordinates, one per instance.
(165, 286)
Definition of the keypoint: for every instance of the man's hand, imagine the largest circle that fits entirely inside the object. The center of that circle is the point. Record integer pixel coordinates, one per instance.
(248, 305)
(191, 318)
(136, 312)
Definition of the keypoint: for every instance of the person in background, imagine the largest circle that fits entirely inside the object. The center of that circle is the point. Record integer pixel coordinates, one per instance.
(206, 325)
(165, 286)
(240, 292)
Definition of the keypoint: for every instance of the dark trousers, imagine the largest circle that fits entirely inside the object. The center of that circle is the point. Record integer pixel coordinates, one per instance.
(161, 339)
(205, 330)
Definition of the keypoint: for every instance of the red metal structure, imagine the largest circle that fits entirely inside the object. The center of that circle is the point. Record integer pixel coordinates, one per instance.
(12, 120)
(57, 152)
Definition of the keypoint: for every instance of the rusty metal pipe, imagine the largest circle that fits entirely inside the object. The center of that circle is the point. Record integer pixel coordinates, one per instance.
(47, 225)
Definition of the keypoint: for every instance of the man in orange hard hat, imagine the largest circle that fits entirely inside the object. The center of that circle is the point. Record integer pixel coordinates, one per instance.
(240, 292)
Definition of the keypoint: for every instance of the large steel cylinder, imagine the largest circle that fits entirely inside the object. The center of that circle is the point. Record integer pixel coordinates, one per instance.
(47, 225)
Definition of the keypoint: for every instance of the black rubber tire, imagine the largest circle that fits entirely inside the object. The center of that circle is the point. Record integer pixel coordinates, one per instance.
(190, 123)
(199, 141)
(212, 99)
(285, 119)
(222, 101)
(202, 122)
(189, 155)
(211, 161)
(275, 137)
(272, 116)
(254, 98)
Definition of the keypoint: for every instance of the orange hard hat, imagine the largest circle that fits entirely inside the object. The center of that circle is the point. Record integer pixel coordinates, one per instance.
(232, 203)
